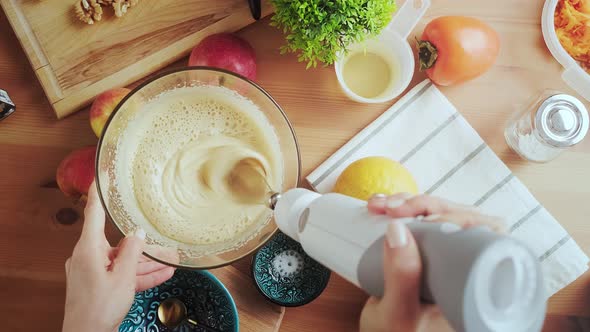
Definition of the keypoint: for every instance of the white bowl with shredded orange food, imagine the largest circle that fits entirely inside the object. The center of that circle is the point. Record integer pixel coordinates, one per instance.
(566, 30)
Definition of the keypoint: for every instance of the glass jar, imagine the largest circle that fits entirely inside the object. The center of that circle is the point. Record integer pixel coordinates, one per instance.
(545, 128)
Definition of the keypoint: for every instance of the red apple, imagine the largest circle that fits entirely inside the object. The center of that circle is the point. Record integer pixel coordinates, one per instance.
(225, 51)
(103, 106)
(76, 172)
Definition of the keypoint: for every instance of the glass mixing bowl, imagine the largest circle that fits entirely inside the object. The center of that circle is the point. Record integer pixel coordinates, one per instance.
(111, 189)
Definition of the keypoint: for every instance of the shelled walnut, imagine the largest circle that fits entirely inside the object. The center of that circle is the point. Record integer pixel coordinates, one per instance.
(90, 11)
(120, 6)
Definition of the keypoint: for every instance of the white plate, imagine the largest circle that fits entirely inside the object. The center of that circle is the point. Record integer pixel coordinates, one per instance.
(574, 75)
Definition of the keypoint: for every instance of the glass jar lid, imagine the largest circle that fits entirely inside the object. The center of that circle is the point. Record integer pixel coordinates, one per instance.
(561, 120)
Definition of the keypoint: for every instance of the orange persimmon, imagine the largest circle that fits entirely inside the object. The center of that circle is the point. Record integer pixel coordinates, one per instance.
(455, 49)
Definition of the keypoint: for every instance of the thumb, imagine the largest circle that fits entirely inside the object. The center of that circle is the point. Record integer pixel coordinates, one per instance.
(403, 269)
(130, 250)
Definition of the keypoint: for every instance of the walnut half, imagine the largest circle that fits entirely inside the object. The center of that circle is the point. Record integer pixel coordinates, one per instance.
(120, 6)
(88, 11)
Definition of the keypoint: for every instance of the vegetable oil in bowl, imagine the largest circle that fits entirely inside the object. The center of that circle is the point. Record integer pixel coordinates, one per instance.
(376, 70)
(379, 69)
(367, 74)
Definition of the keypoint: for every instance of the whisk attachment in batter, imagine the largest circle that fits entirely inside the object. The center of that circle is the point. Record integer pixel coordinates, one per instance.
(247, 183)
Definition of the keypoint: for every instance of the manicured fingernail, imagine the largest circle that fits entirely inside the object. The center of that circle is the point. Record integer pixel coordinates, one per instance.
(432, 217)
(140, 233)
(396, 235)
(395, 203)
(377, 201)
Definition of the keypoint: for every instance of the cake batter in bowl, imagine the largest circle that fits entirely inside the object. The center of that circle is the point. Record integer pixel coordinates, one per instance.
(167, 158)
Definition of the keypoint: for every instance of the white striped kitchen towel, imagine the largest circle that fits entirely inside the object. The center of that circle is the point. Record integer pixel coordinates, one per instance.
(424, 131)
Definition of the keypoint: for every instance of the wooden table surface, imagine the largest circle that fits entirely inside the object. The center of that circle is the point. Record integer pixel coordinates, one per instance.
(34, 246)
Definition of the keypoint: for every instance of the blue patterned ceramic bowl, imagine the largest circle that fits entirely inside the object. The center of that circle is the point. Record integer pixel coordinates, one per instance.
(206, 299)
(285, 275)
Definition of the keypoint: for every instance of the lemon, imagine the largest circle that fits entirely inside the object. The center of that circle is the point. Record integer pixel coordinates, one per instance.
(373, 175)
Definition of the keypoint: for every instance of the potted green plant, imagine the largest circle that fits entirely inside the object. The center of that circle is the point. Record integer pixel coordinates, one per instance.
(319, 29)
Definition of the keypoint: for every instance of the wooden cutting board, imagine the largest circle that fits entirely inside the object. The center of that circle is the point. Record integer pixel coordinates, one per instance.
(75, 62)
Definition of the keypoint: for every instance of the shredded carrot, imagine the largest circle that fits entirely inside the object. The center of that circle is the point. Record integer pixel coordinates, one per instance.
(572, 26)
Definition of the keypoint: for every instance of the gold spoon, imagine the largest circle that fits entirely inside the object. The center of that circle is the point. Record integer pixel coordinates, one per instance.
(172, 312)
